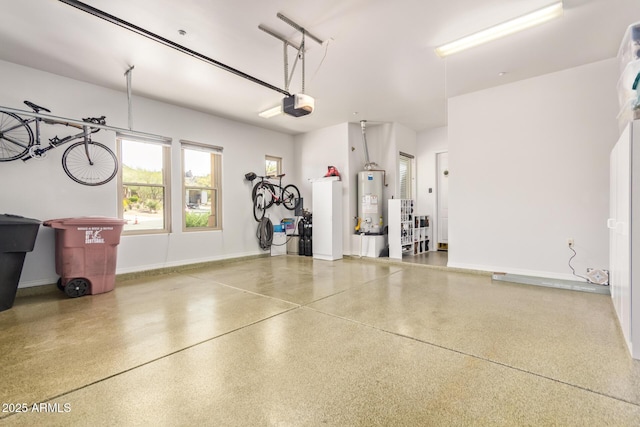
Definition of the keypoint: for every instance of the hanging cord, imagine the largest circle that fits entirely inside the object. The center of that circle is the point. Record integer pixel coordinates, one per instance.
(326, 49)
(265, 233)
(573, 270)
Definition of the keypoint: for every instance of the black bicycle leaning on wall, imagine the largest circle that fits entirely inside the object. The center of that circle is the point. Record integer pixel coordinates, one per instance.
(86, 162)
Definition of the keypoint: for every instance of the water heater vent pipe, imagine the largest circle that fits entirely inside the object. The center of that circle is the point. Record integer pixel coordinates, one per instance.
(367, 165)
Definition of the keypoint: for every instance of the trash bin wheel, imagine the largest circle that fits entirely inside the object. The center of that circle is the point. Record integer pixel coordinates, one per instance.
(76, 288)
(60, 285)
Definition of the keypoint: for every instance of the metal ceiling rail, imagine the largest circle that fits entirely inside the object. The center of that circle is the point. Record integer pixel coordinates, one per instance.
(159, 39)
(279, 37)
(57, 119)
(298, 27)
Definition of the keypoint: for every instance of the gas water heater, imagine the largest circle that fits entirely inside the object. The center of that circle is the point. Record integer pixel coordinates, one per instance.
(370, 202)
(371, 181)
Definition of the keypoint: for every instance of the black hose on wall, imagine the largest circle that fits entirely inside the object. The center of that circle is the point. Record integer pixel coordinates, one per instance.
(265, 233)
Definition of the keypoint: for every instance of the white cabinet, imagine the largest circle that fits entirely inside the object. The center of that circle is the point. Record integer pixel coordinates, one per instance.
(409, 234)
(327, 219)
(624, 238)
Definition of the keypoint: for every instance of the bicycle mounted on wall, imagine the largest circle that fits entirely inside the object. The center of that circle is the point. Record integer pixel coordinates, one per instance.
(86, 162)
(265, 194)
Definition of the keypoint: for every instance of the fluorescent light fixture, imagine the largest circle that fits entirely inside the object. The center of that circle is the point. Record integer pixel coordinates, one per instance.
(271, 112)
(518, 24)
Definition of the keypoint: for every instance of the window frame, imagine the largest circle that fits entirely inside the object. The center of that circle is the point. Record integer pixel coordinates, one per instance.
(277, 160)
(216, 188)
(166, 180)
(409, 178)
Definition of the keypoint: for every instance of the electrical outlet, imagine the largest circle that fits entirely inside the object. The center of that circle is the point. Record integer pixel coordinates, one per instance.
(570, 242)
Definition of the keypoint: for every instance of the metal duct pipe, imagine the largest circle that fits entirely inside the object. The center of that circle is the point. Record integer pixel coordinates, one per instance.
(368, 165)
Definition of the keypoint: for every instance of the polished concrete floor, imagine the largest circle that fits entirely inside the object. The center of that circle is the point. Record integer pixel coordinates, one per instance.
(428, 258)
(292, 341)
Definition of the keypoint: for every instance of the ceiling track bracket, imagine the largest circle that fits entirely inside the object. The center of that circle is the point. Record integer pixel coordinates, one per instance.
(286, 43)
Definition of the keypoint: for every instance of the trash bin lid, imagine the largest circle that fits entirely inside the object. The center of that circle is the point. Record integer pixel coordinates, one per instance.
(17, 233)
(95, 221)
(9, 219)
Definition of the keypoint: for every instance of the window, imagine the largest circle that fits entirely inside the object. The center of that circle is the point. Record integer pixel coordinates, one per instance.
(273, 165)
(406, 176)
(202, 185)
(144, 193)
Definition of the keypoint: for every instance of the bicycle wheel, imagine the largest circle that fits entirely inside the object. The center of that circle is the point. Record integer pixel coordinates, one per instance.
(267, 193)
(90, 164)
(15, 137)
(290, 196)
(258, 207)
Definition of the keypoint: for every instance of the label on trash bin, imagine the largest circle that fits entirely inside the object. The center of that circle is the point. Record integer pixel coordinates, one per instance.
(92, 234)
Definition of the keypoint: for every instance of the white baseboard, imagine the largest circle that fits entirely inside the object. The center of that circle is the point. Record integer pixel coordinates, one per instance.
(518, 271)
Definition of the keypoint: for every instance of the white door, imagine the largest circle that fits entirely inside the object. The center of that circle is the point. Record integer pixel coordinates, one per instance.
(442, 166)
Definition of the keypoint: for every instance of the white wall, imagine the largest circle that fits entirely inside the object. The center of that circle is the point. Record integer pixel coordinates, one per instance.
(40, 189)
(429, 144)
(356, 164)
(529, 169)
(314, 152)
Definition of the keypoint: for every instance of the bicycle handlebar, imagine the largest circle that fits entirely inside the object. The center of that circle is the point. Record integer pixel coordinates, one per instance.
(97, 120)
(270, 176)
(251, 176)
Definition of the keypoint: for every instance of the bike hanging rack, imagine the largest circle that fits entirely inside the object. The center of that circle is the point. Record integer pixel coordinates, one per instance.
(121, 131)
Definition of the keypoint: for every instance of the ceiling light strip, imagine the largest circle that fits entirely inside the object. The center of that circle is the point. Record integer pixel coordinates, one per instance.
(506, 28)
(131, 27)
(271, 112)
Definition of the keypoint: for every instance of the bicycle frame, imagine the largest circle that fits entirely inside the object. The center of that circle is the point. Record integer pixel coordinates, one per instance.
(277, 197)
(37, 151)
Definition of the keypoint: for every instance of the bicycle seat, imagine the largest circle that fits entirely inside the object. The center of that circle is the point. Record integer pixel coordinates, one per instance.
(36, 108)
(280, 176)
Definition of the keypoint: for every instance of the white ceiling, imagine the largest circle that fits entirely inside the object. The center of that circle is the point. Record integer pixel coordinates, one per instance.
(377, 59)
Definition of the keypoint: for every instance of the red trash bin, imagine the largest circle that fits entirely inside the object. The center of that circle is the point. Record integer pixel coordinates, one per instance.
(86, 253)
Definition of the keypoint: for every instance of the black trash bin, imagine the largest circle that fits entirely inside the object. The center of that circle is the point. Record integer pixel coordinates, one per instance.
(17, 237)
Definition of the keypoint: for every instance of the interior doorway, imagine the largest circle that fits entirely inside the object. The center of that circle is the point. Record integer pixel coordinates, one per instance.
(442, 201)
